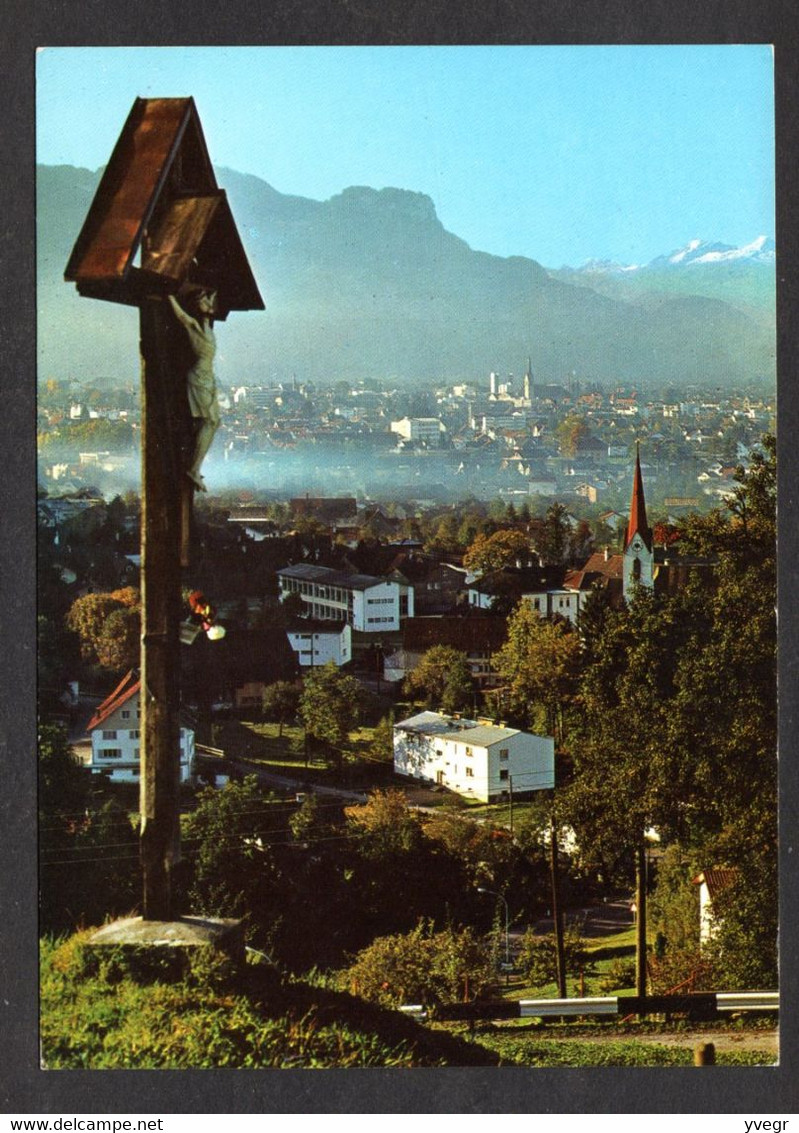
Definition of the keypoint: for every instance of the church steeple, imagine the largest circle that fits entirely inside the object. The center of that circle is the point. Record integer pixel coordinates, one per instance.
(637, 521)
(639, 556)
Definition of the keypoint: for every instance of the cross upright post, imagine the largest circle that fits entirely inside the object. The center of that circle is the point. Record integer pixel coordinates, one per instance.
(160, 641)
(159, 222)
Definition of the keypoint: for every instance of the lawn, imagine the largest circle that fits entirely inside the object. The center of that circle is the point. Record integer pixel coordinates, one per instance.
(282, 751)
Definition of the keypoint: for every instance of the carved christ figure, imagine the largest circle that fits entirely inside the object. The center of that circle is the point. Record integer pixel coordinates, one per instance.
(201, 384)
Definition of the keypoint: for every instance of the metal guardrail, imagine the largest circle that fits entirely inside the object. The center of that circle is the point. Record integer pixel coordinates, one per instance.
(698, 1005)
(747, 1001)
(590, 1005)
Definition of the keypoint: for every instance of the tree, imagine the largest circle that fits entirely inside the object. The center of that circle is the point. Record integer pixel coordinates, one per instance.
(444, 679)
(305, 819)
(108, 626)
(386, 823)
(227, 841)
(492, 857)
(494, 552)
(553, 539)
(329, 706)
(679, 712)
(381, 746)
(539, 665)
(537, 956)
(674, 919)
(62, 781)
(570, 433)
(742, 951)
(86, 617)
(119, 643)
(280, 702)
(630, 769)
(88, 847)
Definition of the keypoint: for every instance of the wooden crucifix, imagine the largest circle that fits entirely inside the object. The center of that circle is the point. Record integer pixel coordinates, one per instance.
(159, 235)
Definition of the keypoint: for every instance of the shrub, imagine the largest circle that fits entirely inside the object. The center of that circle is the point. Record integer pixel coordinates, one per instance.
(422, 966)
(538, 956)
(620, 973)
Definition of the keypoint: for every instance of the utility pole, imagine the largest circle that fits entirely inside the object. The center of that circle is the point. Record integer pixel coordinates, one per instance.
(640, 919)
(557, 912)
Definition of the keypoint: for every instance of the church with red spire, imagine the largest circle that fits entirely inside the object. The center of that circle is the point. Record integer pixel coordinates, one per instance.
(638, 567)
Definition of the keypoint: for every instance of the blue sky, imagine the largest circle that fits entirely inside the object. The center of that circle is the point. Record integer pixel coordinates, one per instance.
(558, 153)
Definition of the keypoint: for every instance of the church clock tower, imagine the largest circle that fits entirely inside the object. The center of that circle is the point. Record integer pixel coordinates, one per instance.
(639, 554)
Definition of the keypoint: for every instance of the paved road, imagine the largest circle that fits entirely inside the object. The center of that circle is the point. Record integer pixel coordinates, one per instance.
(284, 783)
(594, 921)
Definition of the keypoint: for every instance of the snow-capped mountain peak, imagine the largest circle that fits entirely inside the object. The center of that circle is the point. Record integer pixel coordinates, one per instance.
(759, 250)
(678, 257)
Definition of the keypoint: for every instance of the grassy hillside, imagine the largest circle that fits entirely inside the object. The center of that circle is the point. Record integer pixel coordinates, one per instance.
(95, 1015)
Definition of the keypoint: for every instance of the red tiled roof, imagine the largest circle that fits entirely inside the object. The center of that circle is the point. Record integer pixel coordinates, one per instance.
(127, 687)
(717, 880)
(612, 567)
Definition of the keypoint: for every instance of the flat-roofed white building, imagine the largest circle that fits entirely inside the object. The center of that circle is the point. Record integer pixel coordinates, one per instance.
(425, 430)
(476, 759)
(366, 603)
(317, 643)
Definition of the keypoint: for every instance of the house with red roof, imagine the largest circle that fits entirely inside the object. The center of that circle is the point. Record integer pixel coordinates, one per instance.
(712, 884)
(116, 736)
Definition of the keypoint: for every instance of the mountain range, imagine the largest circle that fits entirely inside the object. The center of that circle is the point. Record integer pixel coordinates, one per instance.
(369, 285)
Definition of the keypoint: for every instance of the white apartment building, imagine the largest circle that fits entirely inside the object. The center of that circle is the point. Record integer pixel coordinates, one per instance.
(366, 603)
(316, 644)
(116, 736)
(474, 758)
(425, 430)
(566, 603)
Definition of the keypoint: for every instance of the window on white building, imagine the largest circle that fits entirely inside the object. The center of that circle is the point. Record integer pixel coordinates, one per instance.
(133, 734)
(110, 753)
(503, 774)
(503, 754)
(110, 734)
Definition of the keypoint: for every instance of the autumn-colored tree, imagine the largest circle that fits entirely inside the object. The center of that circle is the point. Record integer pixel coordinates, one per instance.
(443, 678)
(665, 534)
(493, 552)
(108, 626)
(387, 821)
(87, 616)
(119, 643)
(571, 432)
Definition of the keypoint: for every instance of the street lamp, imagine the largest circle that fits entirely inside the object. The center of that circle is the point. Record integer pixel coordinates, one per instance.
(494, 893)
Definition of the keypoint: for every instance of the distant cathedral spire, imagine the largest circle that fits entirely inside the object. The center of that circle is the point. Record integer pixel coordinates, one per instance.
(527, 392)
